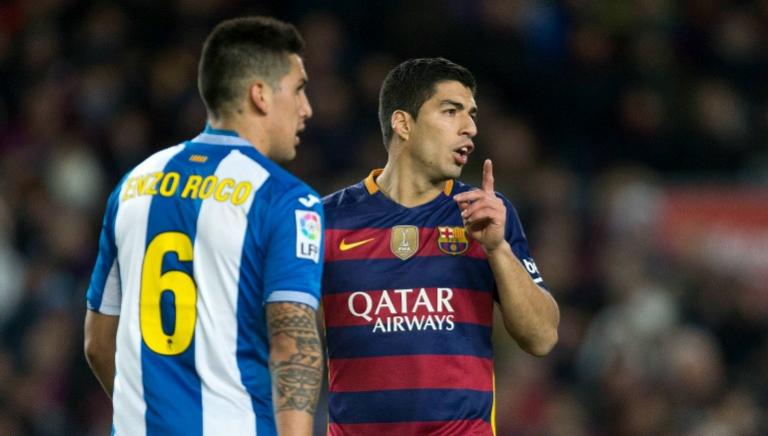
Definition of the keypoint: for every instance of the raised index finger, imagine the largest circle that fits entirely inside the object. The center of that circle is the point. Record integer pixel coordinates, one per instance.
(488, 176)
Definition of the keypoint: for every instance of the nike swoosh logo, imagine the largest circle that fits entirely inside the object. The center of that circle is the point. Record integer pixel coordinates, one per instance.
(343, 246)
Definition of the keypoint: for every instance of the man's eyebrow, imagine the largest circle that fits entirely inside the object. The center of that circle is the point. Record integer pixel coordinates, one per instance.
(459, 106)
(454, 103)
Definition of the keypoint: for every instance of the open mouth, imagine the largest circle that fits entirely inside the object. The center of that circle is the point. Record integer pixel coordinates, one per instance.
(461, 154)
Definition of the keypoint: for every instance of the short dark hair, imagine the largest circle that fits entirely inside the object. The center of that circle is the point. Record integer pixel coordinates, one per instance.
(239, 50)
(412, 83)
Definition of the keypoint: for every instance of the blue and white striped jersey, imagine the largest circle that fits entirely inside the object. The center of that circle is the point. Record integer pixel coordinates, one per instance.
(195, 240)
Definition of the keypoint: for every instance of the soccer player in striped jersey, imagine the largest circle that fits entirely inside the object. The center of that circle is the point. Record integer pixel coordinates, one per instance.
(202, 302)
(414, 263)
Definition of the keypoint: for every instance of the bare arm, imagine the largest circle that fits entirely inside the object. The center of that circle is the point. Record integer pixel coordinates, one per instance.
(296, 365)
(530, 314)
(100, 337)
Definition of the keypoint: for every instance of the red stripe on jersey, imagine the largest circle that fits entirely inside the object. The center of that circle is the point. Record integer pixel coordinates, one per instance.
(373, 243)
(473, 427)
(363, 243)
(465, 306)
(421, 371)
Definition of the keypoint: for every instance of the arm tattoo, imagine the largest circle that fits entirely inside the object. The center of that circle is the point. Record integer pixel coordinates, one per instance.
(298, 369)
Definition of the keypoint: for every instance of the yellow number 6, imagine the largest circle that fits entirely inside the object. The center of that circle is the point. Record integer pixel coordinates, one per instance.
(154, 283)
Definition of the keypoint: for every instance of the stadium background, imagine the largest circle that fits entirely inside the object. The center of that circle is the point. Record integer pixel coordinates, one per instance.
(630, 134)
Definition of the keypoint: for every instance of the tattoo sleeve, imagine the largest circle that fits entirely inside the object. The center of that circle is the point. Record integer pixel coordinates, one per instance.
(296, 357)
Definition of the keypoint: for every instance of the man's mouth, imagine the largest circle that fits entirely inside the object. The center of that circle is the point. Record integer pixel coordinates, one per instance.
(461, 154)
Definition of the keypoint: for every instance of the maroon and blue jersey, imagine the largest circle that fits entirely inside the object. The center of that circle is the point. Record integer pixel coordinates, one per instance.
(408, 302)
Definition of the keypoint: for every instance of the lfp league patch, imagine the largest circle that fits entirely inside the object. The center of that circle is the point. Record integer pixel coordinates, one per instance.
(309, 232)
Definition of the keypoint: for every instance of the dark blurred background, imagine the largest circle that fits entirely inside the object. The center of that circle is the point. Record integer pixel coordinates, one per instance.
(631, 136)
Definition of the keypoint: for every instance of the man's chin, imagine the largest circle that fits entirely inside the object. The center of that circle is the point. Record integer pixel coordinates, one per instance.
(289, 155)
(283, 156)
(454, 172)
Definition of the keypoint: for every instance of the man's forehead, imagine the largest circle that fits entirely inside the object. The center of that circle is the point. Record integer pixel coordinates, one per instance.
(453, 90)
(296, 72)
(297, 64)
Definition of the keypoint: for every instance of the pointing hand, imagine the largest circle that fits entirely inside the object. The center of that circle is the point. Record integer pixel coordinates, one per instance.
(484, 213)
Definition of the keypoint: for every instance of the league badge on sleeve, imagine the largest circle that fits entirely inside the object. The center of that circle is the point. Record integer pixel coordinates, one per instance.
(308, 235)
(452, 240)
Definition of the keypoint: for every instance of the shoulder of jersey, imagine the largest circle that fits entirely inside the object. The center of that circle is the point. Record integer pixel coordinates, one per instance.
(347, 196)
(279, 177)
(163, 153)
(459, 186)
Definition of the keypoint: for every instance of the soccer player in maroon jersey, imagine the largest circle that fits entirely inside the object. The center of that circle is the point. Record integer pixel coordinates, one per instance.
(414, 263)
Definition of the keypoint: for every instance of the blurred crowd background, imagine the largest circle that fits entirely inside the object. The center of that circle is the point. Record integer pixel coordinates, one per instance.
(631, 135)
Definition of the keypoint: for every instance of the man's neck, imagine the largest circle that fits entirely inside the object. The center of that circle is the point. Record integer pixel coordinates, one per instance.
(406, 183)
(252, 132)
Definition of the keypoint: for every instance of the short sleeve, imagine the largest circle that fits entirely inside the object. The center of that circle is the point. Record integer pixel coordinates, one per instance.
(519, 243)
(104, 292)
(293, 252)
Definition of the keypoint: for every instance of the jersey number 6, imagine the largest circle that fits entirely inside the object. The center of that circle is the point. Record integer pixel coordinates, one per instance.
(154, 283)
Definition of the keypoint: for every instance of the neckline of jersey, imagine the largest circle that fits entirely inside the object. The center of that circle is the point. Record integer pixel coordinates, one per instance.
(373, 190)
(220, 137)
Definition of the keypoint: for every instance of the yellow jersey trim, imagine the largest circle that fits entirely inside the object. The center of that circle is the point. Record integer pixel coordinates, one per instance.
(448, 188)
(370, 181)
(493, 406)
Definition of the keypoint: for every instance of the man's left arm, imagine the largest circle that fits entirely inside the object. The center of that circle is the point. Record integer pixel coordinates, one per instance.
(293, 229)
(530, 313)
(295, 364)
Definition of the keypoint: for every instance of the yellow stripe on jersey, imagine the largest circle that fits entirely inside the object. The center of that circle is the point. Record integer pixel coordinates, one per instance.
(493, 406)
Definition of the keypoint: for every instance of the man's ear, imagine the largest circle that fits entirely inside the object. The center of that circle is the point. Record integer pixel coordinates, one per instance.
(261, 96)
(402, 123)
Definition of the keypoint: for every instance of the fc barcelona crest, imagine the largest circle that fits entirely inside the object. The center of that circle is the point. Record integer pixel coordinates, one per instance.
(452, 240)
(404, 241)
